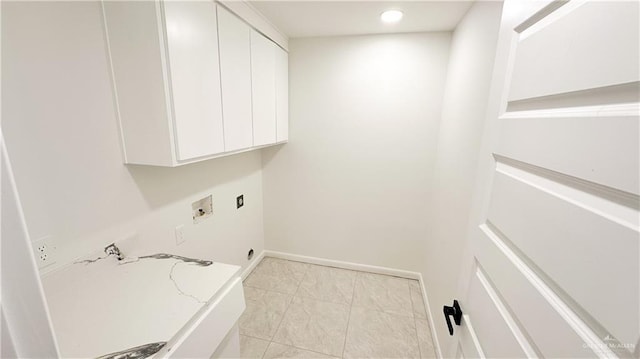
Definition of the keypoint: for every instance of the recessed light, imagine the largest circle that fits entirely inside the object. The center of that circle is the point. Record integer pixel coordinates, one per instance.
(391, 16)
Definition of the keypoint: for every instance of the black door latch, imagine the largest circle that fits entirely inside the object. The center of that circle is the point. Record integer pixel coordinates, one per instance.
(454, 311)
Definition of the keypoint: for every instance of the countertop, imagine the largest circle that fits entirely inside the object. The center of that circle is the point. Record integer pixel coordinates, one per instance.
(101, 306)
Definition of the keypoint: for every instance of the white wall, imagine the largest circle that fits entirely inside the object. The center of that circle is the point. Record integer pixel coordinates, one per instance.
(465, 103)
(62, 137)
(353, 182)
(7, 349)
(26, 327)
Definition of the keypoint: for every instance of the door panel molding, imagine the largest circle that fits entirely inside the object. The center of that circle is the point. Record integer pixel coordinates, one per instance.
(470, 345)
(495, 321)
(612, 100)
(599, 149)
(535, 305)
(573, 188)
(560, 54)
(571, 257)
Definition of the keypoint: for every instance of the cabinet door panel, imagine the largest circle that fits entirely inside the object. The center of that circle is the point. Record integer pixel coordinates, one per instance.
(263, 92)
(192, 43)
(282, 95)
(135, 44)
(235, 71)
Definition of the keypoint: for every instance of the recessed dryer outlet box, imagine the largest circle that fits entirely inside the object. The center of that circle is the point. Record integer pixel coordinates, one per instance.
(239, 201)
(202, 209)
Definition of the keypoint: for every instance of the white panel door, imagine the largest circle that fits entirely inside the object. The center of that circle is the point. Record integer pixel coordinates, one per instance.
(282, 95)
(192, 43)
(263, 89)
(235, 73)
(553, 261)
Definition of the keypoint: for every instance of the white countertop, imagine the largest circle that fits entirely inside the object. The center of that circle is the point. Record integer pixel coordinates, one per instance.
(104, 306)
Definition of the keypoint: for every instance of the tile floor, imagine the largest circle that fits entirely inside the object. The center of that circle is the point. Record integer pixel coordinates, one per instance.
(300, 310)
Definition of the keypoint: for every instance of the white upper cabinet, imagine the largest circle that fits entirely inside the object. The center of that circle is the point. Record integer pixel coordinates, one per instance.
(192, 44)
(164, 57)
(138, 65)
(282, 95)
(263, 77)
(270, 91)
(192, 81)
(235, 70)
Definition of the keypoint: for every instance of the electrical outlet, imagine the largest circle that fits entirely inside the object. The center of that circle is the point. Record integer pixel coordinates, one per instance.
(44, 252)
(179, 234)
(239, 201)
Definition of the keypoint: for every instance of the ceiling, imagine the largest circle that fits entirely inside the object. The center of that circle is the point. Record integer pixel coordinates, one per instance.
(331, 18)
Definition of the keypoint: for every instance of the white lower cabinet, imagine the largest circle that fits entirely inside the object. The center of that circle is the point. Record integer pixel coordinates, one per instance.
(213, 333)
(230, 346)
(192, 81)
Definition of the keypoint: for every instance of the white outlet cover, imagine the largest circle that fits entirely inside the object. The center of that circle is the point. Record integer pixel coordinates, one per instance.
(44, 251)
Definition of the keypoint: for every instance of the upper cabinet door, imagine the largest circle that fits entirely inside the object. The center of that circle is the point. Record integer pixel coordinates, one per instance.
(263, 76)
(192, 81)
(282, 95)
(235, 72)
(192, 42)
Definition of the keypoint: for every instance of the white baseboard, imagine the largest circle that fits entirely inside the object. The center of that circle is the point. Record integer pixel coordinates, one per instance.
(344, 265)
(252, 265)
(434, 334)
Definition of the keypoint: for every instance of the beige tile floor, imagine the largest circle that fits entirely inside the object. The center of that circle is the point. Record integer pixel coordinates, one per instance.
(300, 310)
